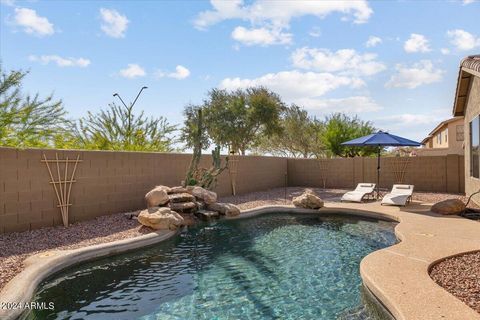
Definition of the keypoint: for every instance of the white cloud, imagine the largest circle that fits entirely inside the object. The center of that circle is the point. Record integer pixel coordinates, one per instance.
(280, 13)
(132, 71)
(463, 40)
(114, 23)
(445, 51)
(307, 88)
(418, 74)
(293, 85)
(223, 10)
(413, 125)
(32, 23)
(61, 62)
(466, 2)
(355, 104)
(275, 16)
(411, 119)
(180, 73)
(261, 36)
(373, 41)
(416, 43)
(346, 61)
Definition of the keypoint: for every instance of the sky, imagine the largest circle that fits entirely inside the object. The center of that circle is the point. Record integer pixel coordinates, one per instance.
(394, 63)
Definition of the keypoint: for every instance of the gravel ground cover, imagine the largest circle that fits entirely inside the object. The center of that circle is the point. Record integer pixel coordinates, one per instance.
(277, 196)
(461, 277)
(16, 247)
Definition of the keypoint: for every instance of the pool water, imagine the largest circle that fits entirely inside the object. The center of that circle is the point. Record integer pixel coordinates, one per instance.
(275, 266)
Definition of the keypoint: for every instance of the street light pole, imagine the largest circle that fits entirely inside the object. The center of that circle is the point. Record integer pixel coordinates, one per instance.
(129, 111)
(138, 95)
(134, 101)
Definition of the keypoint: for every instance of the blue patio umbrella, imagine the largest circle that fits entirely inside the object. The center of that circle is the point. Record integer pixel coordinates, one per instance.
(379, 140)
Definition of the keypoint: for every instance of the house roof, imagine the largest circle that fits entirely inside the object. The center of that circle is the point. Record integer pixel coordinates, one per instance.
(471, 62)
(440, 126)
(469, 67)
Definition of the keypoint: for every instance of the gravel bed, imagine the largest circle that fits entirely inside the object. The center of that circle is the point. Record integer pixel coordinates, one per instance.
(461, 277)
(277, 196)
(15, 247)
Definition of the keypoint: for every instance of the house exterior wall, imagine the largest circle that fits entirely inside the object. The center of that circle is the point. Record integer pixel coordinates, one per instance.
(472, 110)
(455, 138)
(450, 142)
(440, 139)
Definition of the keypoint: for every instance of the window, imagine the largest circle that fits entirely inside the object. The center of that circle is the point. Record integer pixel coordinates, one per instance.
(474, 148)
(446, 135)
(459, 132)
(439, 138)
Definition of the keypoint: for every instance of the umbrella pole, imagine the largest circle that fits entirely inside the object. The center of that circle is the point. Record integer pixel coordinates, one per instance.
(378, 171)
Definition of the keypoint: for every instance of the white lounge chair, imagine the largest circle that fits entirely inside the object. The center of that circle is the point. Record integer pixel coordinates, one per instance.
(400, 195)
(363, 190)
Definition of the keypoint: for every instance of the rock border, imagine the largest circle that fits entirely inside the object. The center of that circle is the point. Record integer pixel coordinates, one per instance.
(397, 275)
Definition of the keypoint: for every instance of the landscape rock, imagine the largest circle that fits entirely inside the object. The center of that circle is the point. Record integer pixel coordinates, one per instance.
(201, 205)
(207, 214)
(160, 218)
(308, 200)
(178, 189)
(227, 209)
(158, 196)
(448, 207)
(183, 206)
(181, 197)
(203, 194)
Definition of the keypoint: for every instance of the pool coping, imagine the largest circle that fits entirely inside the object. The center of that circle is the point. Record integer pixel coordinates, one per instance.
(398, 276)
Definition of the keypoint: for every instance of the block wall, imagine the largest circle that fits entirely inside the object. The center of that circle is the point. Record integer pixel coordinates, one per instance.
(109, 182)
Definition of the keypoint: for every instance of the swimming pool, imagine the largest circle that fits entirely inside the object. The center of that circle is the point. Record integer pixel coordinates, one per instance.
(274, 266)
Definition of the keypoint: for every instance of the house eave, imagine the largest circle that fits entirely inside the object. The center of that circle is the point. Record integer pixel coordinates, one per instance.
(469, 68)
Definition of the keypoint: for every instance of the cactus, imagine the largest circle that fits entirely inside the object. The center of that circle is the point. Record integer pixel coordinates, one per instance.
(208, 177)
(205, 178)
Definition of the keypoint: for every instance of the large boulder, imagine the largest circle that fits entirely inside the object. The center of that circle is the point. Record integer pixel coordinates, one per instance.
(448, 207)
(158, 196)
(207, 214)
(203, 194)
(178, 189)
(181, 197)
(227, 209)
(160, 218)
(183, 206)
(308, 200)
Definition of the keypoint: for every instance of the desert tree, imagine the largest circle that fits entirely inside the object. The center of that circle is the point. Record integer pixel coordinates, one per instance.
(119, 128)
(25, 120)
(339, 127)
(238, 119)
(300, 136)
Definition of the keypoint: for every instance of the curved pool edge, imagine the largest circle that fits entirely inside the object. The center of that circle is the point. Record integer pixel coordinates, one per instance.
(45, 264)
(397, 275)
(39, 267)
